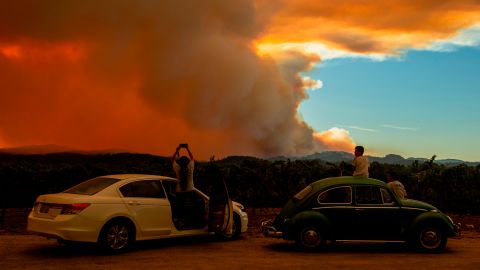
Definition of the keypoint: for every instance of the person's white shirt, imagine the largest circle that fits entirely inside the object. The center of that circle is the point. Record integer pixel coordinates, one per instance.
(398, 188)
(190, 168)
(361, 166)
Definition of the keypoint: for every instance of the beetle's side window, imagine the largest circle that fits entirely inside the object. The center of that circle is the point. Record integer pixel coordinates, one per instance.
(368, 195)
(143, 189)
(342, 195)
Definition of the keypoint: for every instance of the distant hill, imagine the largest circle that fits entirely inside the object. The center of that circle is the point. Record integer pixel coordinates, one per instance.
(237, 159)
(327, 156)
(339, 156)
(36, 149)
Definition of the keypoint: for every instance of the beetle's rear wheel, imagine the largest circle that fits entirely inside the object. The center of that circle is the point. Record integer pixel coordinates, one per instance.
(430, 239)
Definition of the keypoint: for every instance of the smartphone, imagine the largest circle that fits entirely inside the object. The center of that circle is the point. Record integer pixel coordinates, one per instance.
(184, 145)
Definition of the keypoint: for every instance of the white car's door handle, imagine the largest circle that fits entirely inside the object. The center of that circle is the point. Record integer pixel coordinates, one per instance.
(134, 203)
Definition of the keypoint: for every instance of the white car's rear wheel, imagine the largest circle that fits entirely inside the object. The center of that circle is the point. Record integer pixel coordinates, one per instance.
(116, 236)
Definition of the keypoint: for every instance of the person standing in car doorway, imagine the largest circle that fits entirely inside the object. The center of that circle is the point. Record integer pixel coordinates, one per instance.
(360, 162)
(183, 167)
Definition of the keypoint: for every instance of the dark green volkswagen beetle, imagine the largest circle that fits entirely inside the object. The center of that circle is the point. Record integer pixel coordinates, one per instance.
(357, 208)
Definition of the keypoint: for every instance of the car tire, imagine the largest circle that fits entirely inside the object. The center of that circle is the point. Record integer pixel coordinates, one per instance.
(430, 239)
(236, 229)
(310, 236)
(116, 236)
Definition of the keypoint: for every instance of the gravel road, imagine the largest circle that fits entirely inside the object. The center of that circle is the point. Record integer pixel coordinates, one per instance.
(252, 251)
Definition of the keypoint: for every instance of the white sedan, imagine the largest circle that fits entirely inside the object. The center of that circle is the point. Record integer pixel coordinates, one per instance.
(116, 210)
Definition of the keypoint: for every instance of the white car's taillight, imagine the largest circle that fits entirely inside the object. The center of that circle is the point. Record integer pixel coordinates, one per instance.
(73, 209)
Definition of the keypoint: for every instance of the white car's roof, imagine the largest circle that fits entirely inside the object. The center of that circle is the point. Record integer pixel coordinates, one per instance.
(139, 176)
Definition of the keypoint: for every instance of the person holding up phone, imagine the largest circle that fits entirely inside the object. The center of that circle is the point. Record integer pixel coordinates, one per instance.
(183, 167)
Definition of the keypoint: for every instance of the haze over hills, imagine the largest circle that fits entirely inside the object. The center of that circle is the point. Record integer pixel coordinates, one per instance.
(339, 156)
(327, 156)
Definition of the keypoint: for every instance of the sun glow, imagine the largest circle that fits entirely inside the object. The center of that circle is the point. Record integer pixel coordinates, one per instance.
(336, 139)
(10, 51)
(69, 51)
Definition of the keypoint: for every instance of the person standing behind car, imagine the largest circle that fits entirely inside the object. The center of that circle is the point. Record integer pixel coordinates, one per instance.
(183, 167)
(360, 162)
(396, 186)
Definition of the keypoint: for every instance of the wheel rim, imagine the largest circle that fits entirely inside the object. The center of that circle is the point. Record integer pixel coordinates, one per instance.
(430, 238)
(310, 237)
(117, 237)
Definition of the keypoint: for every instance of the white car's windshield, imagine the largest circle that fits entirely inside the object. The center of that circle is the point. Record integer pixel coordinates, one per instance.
(91, 186)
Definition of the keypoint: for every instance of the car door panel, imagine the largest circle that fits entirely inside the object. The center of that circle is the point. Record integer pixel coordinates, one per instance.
(149, 207)
(220, 216)
(376, 219)
(153, 216)
(336, 205)
(342, 221)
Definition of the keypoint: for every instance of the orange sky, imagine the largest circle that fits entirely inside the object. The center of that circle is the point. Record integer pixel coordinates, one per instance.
(370, 26)
(145, 76)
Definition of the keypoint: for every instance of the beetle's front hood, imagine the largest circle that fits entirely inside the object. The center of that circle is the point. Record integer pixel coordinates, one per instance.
(287, 210)
(417, 204)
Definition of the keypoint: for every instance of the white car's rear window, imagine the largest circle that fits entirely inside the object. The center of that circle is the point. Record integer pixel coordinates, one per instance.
(91, 186)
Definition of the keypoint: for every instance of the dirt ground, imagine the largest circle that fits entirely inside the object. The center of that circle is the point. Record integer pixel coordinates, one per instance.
(19, 250)
(252, 251)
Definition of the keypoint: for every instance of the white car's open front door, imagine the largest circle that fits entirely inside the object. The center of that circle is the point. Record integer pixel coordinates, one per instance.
(220, 215)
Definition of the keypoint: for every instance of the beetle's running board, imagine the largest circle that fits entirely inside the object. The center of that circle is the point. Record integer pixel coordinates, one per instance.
(372, 241)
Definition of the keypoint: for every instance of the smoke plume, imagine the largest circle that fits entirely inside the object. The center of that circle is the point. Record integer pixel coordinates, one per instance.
(145, 76)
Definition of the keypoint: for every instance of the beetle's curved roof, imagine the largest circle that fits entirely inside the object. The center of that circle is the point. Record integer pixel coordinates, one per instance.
(345, 180)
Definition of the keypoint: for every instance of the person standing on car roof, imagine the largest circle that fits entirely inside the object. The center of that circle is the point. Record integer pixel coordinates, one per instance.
(183, 167)
(360, 162)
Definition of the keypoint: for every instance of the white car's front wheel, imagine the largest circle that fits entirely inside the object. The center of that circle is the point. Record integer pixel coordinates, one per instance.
(236, 229)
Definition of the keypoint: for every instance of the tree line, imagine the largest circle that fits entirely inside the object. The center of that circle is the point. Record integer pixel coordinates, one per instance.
(251, 181)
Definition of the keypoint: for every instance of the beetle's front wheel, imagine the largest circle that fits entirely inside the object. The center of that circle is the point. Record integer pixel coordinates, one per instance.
(309, 237)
